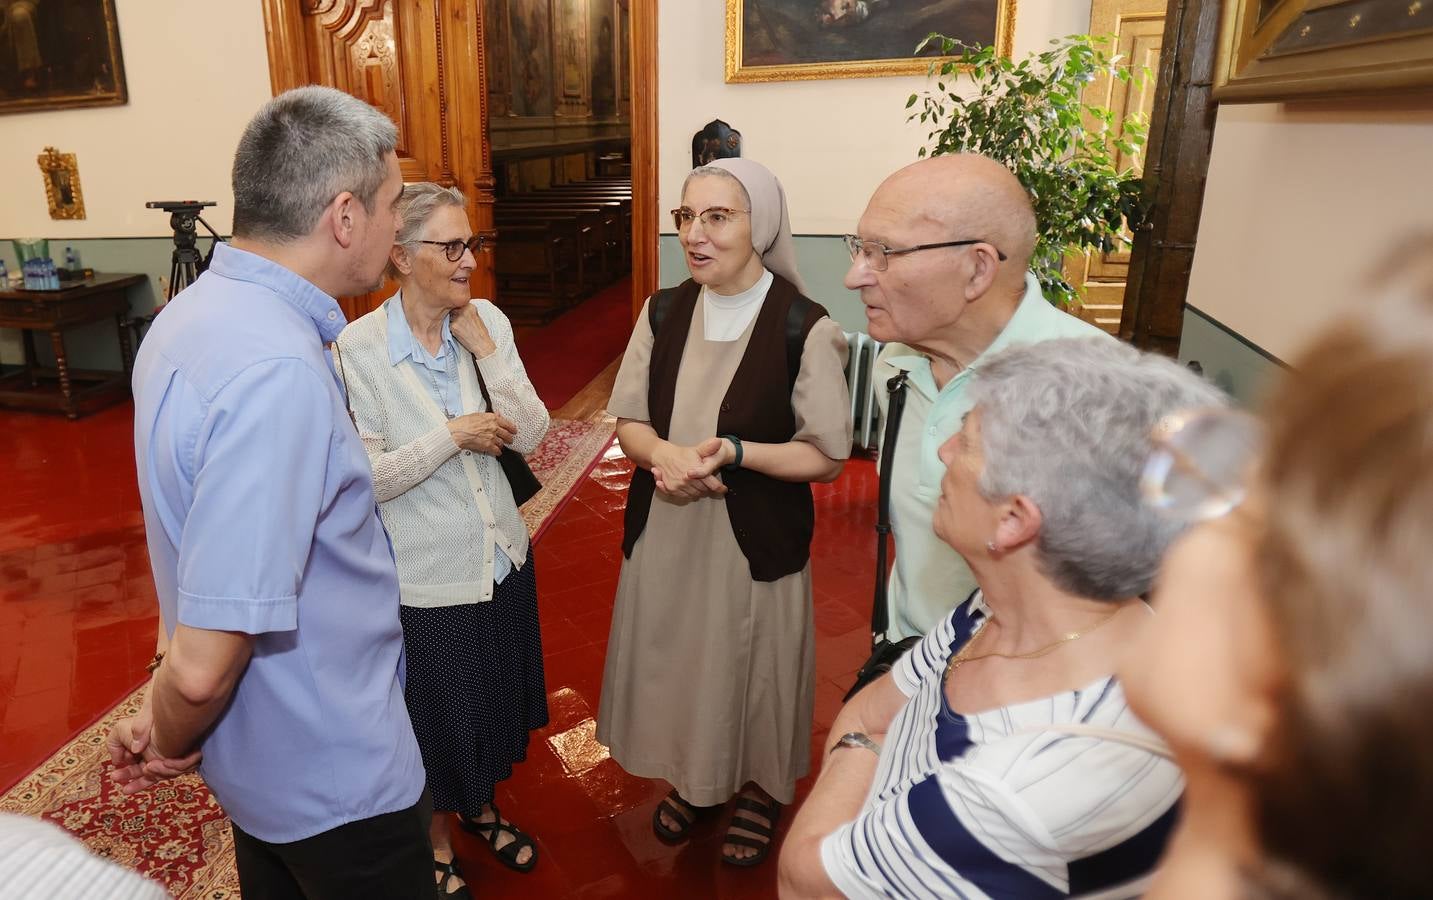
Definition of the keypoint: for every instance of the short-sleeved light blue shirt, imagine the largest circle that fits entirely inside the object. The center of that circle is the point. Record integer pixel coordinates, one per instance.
(929, 579)
(258, 504)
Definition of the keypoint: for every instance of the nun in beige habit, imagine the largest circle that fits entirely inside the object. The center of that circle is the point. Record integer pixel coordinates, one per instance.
(731, 399)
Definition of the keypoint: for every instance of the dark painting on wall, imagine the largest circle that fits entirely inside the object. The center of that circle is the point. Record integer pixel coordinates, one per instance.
(624, 50)
(781, 40)
(531, 28)
(495, 52)
(604, 62)
(572, 50)
(59, 53)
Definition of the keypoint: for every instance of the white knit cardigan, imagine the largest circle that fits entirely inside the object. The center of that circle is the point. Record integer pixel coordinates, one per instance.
(445, 509)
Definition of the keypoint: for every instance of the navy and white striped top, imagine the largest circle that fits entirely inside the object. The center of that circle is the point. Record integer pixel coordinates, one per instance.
(991, 805)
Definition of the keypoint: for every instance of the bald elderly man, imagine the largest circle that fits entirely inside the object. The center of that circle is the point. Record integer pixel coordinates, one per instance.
(942, 262)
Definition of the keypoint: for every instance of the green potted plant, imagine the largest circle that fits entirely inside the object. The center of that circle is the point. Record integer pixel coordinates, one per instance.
(1030, 115)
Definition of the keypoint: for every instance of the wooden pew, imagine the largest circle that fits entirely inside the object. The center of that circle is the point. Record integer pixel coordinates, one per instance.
(530, 262)
(584, 227)
(616, 227)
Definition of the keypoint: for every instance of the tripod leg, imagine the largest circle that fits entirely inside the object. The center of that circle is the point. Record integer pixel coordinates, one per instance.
(174, 275)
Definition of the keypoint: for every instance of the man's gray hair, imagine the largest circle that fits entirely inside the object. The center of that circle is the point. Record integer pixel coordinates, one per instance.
(416, 207)
(1067, 423)
(302, 149)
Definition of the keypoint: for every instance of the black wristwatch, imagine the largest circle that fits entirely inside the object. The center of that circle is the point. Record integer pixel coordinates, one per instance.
(736, 443)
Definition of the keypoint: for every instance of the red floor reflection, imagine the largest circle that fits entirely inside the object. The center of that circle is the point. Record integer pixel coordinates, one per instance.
(77, 620)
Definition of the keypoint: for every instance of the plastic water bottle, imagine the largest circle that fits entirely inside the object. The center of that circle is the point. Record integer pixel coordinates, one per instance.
(72, 261)
(4, 277)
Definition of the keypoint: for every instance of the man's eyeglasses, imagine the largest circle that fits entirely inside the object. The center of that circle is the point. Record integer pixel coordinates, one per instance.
(1200, 463)
(875, 254)
(454, 248)
(714, 218)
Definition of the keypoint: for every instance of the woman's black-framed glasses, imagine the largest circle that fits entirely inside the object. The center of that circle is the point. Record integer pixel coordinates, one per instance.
(1200, 463)
(875, 253)
(454, 249)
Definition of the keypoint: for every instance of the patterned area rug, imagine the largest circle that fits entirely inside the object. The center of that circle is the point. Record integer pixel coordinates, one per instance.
(175, 833)
(567, 453)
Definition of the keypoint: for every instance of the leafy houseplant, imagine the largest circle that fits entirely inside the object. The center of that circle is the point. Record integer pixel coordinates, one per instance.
(1030, 116)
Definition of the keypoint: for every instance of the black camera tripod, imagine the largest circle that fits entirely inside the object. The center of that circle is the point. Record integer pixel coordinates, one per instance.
(187, 264)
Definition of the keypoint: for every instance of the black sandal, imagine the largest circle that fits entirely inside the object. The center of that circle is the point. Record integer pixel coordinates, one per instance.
(672, 805)
(772, 812)
(510, 851)
(450, 871)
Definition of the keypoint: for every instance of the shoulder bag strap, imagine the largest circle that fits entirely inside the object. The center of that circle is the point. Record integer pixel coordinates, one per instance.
(895, 406)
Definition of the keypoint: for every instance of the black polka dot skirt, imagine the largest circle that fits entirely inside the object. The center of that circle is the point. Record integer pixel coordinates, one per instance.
(475, 689)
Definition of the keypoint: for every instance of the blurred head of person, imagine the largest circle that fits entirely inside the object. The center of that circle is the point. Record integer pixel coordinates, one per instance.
(1291, 664)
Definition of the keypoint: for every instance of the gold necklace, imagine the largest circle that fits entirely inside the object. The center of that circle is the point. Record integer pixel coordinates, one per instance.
(962, 657)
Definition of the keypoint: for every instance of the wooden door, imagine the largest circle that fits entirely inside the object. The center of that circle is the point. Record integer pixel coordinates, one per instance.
(1138, 30)
(420, 61)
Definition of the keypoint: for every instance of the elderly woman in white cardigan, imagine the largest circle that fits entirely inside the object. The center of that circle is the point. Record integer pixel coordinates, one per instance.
(475, 681)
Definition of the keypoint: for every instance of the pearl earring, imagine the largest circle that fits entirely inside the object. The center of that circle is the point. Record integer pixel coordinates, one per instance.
(1230, 744)
(990, 545)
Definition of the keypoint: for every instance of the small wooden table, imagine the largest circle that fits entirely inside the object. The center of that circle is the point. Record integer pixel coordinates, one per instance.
(80, 391)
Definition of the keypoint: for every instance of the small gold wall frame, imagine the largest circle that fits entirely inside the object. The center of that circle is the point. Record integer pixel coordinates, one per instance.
(62, 184)
(818, 46)
(1297, 49)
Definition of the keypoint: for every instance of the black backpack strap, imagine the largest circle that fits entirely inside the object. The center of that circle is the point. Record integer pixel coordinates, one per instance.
(659, 306)
(795, 338)
(895, 406)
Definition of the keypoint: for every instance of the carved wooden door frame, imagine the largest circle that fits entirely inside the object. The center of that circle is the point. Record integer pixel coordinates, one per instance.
(645, 215)
(451, 145)
(1176, 163)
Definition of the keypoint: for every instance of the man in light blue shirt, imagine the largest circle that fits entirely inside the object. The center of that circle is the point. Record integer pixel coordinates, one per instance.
(941, 261)
(276, 581)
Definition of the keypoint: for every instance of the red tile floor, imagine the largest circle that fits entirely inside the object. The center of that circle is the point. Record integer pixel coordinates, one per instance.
(77, 620)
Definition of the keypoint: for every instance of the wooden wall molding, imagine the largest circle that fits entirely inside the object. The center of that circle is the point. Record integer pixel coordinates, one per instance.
(645, 215)
(1181, 134)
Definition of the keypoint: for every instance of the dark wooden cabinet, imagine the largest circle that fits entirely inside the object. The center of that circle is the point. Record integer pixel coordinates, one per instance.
(62, 389)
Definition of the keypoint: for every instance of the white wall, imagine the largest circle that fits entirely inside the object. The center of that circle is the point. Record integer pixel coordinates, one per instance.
(1301, 200)
(830, 142)
(197, 70)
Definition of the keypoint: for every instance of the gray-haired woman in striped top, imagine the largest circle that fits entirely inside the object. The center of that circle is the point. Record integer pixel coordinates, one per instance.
(998, 757)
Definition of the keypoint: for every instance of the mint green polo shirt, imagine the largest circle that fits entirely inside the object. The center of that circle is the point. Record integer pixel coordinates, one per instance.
(929, 579)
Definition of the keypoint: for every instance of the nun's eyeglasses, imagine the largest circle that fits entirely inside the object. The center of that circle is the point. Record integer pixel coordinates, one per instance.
(1200, 463)
(874, 253)
(714, 218)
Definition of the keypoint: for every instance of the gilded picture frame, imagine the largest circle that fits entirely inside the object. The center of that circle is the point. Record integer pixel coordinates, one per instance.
(803, 40)
(1313, 49)
(60, 55)
(61, 173)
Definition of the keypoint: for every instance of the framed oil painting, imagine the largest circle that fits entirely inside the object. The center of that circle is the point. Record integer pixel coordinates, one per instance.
(56, 54)
(1290, 49)
(530, 53)
(793, 40)
(62, 184)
